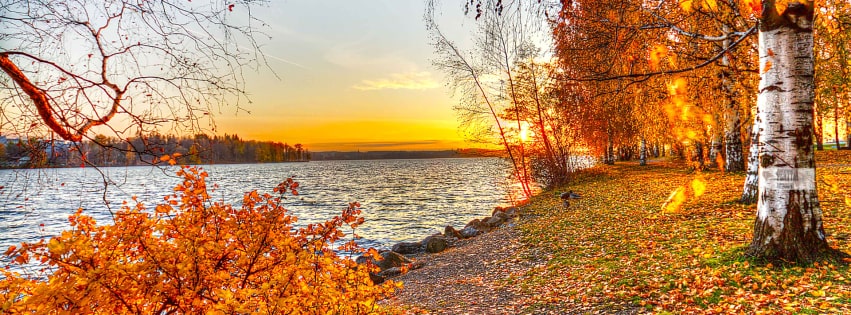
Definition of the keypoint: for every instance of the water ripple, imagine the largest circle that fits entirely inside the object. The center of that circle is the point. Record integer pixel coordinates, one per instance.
(402, 200)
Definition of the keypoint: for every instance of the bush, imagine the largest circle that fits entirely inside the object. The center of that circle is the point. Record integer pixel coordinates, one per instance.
(193, 255)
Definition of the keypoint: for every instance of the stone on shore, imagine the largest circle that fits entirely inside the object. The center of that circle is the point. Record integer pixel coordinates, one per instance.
(362, 259)
(494, 221)
(435, 243)
(381, 276)
(407, 248)
(502, 215)
(392, 259)
(389, 260)
(450, 231)
(478, 225)
(376, 279)
(392, 272)
(469, 232)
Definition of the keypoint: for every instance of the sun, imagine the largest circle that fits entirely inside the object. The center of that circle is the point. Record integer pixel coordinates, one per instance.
(525, 133)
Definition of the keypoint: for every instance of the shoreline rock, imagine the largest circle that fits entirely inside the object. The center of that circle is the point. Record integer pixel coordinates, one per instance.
(394, 262)
(407, 248)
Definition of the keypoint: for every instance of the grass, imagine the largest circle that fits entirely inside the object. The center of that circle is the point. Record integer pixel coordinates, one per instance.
(617, 249)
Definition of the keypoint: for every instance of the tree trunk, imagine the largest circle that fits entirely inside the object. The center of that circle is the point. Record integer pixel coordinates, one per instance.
(749, 193)
(698, 155)
(734, 159)
(678, 150)
(817, 127)
(836, 124)
(610, 153)
(642, 154)
(788, 226)
(848, 131)
(716, 148)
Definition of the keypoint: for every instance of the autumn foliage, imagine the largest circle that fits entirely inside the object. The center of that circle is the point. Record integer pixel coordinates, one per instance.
(194, 255)
(623, 253)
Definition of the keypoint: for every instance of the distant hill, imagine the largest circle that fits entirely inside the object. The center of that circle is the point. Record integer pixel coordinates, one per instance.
(385, 155)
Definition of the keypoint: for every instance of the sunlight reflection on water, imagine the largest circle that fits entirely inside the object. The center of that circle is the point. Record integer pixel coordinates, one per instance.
(402, 200)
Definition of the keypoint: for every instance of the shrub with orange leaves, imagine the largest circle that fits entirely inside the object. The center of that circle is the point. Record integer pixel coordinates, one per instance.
(193, 255)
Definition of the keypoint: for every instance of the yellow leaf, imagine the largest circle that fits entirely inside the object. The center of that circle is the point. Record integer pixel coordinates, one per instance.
(848, 201)
(686, 5)
(780, 6)
(711, 5)
(54, 245)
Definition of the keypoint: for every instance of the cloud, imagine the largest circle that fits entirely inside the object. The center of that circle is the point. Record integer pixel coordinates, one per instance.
(364, 54)
(400, 81)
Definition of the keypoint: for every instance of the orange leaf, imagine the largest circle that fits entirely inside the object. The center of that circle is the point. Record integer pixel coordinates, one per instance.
(766, 67)
(10, 250)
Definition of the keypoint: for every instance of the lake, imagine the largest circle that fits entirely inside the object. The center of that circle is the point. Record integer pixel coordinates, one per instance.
(402, 200)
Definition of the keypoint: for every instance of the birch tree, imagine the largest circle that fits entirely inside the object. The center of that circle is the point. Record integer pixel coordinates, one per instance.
(788, 225)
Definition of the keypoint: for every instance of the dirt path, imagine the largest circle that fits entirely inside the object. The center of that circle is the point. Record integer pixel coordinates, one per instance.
(475, 277)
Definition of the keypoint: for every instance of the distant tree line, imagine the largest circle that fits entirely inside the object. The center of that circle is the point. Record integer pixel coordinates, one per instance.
(385, 155)
(109, 151)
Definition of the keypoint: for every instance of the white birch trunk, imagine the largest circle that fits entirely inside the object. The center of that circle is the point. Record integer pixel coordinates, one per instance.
(788, 226)
(642, 154)
(716, 148)
(734, 156)
(749, 193)
(848, 131)
(734, 160)
(610, 152)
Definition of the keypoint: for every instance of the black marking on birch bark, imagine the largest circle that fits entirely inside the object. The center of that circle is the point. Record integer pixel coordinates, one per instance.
(775, 87)
(766, 160)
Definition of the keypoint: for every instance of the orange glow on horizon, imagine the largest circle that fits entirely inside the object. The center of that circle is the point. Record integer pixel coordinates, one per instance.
(351, 135)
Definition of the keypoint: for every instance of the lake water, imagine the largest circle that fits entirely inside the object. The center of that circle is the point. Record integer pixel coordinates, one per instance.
(402, 200)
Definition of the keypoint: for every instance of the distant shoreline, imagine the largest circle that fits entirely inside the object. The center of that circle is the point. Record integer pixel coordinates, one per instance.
(402, 155)
(328, 156)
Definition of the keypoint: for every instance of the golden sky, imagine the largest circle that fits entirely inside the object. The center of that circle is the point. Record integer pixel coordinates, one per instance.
(351, 75)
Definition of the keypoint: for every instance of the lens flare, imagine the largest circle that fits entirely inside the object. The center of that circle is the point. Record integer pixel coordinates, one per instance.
(675, 200)
(698, 185)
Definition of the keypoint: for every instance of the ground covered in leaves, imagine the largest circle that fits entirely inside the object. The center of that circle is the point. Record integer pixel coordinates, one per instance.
(622, 249)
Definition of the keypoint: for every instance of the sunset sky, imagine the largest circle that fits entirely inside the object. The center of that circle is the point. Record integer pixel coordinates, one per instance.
(354, 75)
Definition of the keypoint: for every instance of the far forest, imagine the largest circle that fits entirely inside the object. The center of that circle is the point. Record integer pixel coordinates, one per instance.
(108, 151)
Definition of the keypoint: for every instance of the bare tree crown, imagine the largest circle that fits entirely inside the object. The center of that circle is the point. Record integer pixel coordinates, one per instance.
(74, 65)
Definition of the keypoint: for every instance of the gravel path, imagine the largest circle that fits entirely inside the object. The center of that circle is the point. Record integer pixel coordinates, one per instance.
(477, 276)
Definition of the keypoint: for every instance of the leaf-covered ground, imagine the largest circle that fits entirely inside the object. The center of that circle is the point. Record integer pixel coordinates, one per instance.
(618, 250)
